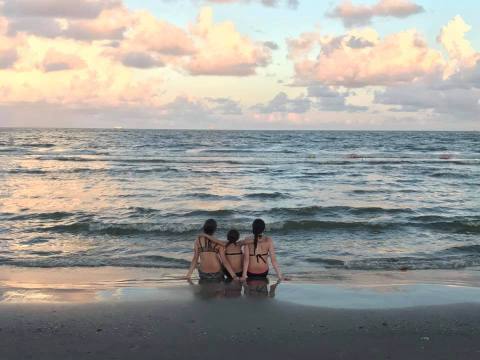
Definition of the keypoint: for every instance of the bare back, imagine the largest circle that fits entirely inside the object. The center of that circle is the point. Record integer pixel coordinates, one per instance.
(234, 255)
(258, 262)
(209, 258)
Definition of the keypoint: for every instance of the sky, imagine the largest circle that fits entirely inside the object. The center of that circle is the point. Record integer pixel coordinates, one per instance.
(241, 64)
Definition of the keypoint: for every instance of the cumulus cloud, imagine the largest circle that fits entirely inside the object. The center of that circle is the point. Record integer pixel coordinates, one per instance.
(362, 58)
(453, 92)
(460, 51)
(8, 51)
(222, 50)
(281, 103)
(151, 34)
(8, 57)
(225, 106)
(327, 99)
(141, 60)
(57, 61)
(417, 97)
(318, 97)
(353, 15)
(57, 8)
(269, 3)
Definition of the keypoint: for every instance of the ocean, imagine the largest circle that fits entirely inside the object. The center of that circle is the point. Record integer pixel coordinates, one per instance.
(341, 200)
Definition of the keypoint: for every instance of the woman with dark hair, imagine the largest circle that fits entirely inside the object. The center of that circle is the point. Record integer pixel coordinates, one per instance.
(257, 250)
(234, 254)
(211, 256)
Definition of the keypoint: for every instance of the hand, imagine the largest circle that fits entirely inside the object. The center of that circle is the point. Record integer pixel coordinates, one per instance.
(236, 278)
(243, 279)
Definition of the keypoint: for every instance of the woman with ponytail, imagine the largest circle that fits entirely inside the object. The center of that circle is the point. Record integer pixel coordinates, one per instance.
(257, 250)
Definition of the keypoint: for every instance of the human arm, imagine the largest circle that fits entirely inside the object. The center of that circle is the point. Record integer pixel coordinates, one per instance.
(273, 259)
(246, 262)
(246, 241)
(214, 240)
(226, 263)
(194, 262)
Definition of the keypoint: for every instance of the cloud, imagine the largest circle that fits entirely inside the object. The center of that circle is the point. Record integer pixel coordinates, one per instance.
(269, 3)
(110, 23)
(281, 103)
(57, 61)
(454, 92)
(361, 58)
(225, 106)
(222, 50)
(57, 8)
(8, 57)
(45, 27)
(353, 15)
(148, 33)
(326, 99)
(460, 51)
(141, 60)
(421, 97)
(271, 45)
(8, 50)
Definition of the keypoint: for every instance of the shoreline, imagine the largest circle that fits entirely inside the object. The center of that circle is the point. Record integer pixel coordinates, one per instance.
(334, 289)
(117, 313)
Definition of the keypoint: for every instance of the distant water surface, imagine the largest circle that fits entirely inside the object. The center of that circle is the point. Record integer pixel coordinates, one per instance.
(136, 198)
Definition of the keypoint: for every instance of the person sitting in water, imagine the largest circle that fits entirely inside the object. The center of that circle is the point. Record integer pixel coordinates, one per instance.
(234, 254)
(211, 256)
(257, 250)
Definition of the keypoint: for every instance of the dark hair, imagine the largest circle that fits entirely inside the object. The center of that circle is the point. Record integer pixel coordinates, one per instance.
(233, 236)
(209, 227)
(258, 227)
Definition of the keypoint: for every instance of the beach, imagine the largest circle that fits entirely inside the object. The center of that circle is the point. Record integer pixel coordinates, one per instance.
(126, 314)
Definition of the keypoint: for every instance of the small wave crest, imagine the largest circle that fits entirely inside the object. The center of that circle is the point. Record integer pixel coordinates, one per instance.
(54, 260)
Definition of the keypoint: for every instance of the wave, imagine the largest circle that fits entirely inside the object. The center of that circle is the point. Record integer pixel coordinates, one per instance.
(465, 249)
(52, 260)
(340, 210)
(57, 215)
(38, 145)
(36, 240)
(99, 228)
(400, 263)
(265, 195)
(454, 226)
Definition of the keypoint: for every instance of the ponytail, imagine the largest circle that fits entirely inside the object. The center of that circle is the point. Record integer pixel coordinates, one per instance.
(255, 243)
(258, 227)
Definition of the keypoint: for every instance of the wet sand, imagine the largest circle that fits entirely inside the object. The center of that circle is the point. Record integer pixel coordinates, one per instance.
(338, 320)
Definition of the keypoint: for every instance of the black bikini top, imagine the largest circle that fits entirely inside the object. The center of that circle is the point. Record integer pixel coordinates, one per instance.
(260, 256)
(237, 253)
(209, 245)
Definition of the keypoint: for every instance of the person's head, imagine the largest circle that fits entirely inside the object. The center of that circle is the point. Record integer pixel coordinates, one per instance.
(210, 227)
(258, 227)
(233, 236)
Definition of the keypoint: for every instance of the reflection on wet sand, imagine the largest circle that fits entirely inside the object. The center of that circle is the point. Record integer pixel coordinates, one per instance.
(252, 288)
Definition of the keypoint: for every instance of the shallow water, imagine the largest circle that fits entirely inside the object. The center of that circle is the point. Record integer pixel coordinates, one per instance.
(355, 200)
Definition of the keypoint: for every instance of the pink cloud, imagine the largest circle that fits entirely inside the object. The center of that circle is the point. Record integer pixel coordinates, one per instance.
(57, 8)
(222, 50)
(57, 61)
(269, 3)
(353, 15)
(398, 58)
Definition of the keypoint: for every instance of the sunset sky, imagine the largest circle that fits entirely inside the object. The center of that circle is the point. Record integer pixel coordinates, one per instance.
(241, 64)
